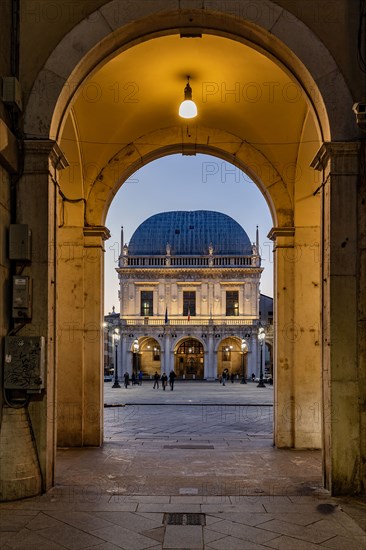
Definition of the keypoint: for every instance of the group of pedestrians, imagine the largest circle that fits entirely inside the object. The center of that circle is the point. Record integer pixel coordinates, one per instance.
(164, 380)
(138, 379)
(226, 376)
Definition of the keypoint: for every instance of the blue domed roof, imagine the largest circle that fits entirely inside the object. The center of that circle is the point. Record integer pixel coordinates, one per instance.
(189, 233)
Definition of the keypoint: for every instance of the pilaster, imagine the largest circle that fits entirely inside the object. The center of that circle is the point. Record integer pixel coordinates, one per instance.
(343, 380)
(36, 206)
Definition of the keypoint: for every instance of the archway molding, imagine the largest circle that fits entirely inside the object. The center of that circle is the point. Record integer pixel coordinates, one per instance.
(275, 31)
(170, 141)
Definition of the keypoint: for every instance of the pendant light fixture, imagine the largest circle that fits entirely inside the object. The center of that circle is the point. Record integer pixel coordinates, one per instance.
(188, 108)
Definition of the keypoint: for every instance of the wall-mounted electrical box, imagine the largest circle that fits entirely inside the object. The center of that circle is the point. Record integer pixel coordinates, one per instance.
(22, 298)
(19, 242)
(24, 367)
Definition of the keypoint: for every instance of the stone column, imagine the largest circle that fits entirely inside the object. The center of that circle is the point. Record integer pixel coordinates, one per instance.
(93, 337)
(36, 206)
(284, 408)
(209, 356)
(167, 368)
(343, 314)
(80, 352)
(123, 355)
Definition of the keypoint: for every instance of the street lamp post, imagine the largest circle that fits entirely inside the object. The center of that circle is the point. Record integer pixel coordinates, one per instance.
(135, 347)
(244, 351)
(115, 340)
(261, 338)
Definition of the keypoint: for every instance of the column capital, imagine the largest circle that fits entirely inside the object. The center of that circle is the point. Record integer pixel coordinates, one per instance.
(39, 153)
(97, 231)
(337, 151)
(276, 232)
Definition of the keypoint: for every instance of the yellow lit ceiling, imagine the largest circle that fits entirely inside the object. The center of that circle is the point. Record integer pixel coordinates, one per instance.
(235, 87)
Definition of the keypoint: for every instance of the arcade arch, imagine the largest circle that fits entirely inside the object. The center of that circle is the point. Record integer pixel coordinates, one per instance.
(284, 138)
(189, 360)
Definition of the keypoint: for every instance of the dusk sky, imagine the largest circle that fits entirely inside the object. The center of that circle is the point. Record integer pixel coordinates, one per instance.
(179, 182)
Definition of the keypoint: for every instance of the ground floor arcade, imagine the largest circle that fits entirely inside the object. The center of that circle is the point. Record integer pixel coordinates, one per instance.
(193, 353)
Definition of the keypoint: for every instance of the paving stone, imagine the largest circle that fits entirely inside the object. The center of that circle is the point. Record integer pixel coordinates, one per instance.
(131, 521)
(156, 534)
(183, 536)
(69, 537)
(14, 522)
(124, 538)
(106, 546)
(157, 517)
(42, 521)
(29, 540)
(246, 518)
(309, 534)
(244, 532)
(81, 520)
(343, 543)
(232, 543)
(211, 536)
(288, 543)
(190, 508)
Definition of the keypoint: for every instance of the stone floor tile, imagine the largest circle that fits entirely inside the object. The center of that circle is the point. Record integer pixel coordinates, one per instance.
(210, 520)
(288, 543)
(343, 543)
(191, 499)
(156, 534)
(82, 520)
(213, 499)
(183, 536)
(42, 521)
(69, 537)
(30, 540)
(174, 508)
(304, 519)
(114, 505)
(133, 522)
(106, 546)
(278, 509)
(211, 536)
(308, 534)
(232, 543)
(247, 518)
(9, 521)
(155, 516)
(244, 532)
(155, 499)
(215, 509)
(124, 538)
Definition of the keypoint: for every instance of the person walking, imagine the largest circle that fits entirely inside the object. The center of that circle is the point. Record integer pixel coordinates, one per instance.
(133, 379)
(140, 378)
(224, 375)
(164, 380)
(156, 380)
(171, 379)
(126, 379)
(232, 377)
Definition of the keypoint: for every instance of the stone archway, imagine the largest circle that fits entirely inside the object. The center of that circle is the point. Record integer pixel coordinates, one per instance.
(292, 250)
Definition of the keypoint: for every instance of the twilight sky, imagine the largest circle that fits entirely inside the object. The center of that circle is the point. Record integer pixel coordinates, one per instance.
(179, 182)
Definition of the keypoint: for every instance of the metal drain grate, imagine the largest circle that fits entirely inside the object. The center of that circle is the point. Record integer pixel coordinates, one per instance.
(184, 519)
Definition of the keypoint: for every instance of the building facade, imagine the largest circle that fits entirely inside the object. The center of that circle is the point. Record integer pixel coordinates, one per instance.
(189, 297)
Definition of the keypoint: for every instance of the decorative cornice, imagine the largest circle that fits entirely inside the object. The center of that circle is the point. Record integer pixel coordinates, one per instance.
(179, 273)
